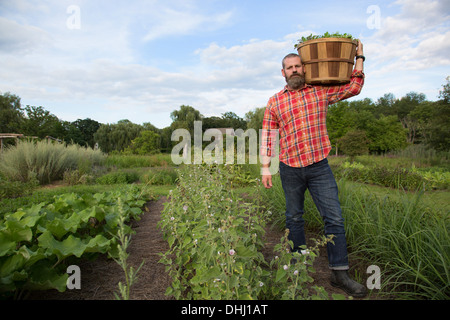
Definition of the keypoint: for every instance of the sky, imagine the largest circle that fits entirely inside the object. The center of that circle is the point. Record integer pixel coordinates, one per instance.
(141, 60)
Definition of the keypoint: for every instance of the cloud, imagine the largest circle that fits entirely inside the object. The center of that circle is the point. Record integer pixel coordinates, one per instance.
(416, 38)
(170, 22)
(21, 39)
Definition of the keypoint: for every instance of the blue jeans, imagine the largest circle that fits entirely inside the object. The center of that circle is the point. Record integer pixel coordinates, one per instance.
(319, 180)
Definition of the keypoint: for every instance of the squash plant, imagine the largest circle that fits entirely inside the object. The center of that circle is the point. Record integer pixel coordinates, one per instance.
(37, 241)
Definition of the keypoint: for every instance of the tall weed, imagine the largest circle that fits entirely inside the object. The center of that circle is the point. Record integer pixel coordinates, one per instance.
(45, 161)
(407, 239)
(400, 233)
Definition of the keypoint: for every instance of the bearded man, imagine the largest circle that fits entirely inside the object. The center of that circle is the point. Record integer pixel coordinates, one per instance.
(299, 112)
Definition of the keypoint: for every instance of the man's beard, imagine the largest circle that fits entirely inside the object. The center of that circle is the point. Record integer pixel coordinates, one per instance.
(296, 81)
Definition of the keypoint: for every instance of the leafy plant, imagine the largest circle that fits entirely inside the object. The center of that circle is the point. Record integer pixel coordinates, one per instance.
(130, 273)
(118, 177)
(45, 161)
(36, 241)
(399, 232)
(325, 35)
(215, 238)
(293, 271)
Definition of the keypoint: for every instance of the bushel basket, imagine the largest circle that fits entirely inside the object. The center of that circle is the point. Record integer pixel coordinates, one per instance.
(328, 60)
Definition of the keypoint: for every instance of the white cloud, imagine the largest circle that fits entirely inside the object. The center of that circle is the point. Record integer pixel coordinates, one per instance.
(416, 38)
(169, 22)
(21, 39)
(99, 66)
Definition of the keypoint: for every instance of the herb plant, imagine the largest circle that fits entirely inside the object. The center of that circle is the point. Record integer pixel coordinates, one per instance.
(325, 35)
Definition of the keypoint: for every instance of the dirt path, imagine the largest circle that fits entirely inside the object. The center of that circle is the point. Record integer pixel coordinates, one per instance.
(99, 278)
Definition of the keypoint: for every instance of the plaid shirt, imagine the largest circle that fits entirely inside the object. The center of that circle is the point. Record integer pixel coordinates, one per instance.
(300, 119)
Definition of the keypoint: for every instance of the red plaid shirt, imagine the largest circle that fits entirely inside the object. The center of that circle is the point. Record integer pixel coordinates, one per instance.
(300, 118)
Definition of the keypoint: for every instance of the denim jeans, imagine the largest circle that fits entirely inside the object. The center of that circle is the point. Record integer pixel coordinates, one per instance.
(319, 180)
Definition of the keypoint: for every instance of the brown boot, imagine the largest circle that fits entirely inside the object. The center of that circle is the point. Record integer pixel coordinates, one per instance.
(341, 279)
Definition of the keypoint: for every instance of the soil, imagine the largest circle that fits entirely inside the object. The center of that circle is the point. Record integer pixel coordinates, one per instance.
(100, 278)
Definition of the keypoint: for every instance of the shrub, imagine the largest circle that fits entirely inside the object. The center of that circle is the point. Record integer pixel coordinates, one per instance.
(14, 189)
(160, 177)
(118, 177)
(74, 177)
(46, 161)
(137, 161)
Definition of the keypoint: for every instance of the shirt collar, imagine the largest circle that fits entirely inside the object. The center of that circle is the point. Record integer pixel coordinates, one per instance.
(286, 88)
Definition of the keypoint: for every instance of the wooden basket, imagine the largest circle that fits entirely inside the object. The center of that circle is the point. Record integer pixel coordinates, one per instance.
(328, 60)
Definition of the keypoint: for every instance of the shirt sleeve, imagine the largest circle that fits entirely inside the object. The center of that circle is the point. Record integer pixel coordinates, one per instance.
(269, 131)
(342, 92)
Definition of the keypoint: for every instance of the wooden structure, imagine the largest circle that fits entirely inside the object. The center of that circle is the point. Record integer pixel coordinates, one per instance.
(328, 60)
(8, 136)
(12, 135)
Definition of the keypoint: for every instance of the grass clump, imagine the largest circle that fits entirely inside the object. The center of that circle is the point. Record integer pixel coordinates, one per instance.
(45, 161)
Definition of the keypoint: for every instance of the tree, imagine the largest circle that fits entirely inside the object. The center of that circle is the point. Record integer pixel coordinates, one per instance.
(339, 122)
(184, 118)
(11, 113)
(444, 94)
(354, 143)
(41, 123)
(232, 120)
(87, 128)
(117, 137)
(385, 104)
(148, 142)
(255, 118)
(386, 134)
(439, 129)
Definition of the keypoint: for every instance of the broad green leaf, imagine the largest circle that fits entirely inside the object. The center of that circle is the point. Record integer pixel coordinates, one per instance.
(6, 244)
(281, 274)
(11, 264)
(72, 245)
(44, 277)
(245, 252)
(15, 231)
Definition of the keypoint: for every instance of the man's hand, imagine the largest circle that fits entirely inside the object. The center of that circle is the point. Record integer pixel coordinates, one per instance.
(359, 65)
(359, 49)
(267, 181)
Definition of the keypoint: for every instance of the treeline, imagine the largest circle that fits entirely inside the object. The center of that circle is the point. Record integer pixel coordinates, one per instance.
(355, 127)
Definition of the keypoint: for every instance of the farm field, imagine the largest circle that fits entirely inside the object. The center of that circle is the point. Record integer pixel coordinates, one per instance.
(193, 225)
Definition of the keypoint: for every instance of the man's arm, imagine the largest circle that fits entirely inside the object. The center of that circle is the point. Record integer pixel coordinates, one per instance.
(359, 65)
(345, 91)
(266, 175)
(269, 131)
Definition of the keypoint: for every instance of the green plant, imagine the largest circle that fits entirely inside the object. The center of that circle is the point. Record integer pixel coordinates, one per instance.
(325, 35)
(397, 231)
(137, 161)
(123, 242)
(118, 177)
(14, 189)
(164, 176)
(215, 238)
(293, 271)
(74, 177)
(45, 161)
(36, 241)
